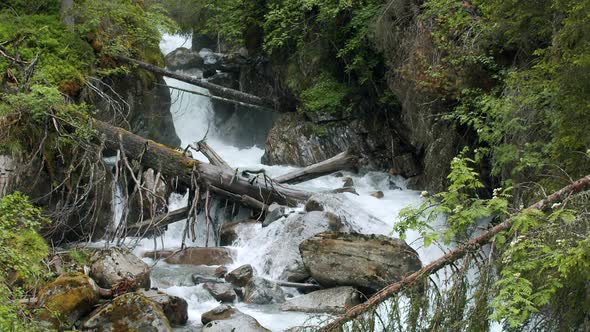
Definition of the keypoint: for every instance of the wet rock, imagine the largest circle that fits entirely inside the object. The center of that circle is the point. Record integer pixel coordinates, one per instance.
(312, 205)
(241, 276)
(347, 182)
(334, 300)
(183, 58)
(220, 272)
(369, 262)
(194, 256)
(262, 291)
(348, 212)
(109, 266)
(129, 312)
(175, 308)
(226, 318)
(377, 194)
(279, 243)
(66, 299)
(230, 230)
(274, 213)
(180, 275)
(221, 292)
(406, 165)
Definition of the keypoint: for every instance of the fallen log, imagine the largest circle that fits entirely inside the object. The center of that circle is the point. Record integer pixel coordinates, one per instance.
(213, 157)
(342, 161)
(307, 287)
(173, 163)
(213, 88)
(231, 101)
(449, 258)
(244, 199)
(161, 220)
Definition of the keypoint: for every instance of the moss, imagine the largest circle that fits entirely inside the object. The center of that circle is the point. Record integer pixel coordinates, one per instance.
(65, 299)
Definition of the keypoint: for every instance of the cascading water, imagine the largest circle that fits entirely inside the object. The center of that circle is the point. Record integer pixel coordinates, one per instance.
(193, 118)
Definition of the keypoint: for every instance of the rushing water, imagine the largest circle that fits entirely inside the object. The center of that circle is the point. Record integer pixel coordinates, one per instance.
(193, 117)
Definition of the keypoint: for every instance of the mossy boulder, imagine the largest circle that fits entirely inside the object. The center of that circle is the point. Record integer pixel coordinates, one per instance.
(129, 312)
(175, 308)
(110, 266)
(66, 299)
(226, 318)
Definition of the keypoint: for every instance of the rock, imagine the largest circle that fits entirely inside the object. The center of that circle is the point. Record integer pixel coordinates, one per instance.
(334, 300)
(262, 291)
(348, 182)
(277, 246)
(66, 299)
(129, 312)
(241, 276)
(274, 213)
(199, 279)
(220, 272)
(377, 194)
(312, 205)
(194, 256)
(226, 318)
(230, 230)
(183, 58)
(175, 308)
(405, 165)
(7, 168)
(369, 262)
(221, 292)
(181, 275)
(109, 266)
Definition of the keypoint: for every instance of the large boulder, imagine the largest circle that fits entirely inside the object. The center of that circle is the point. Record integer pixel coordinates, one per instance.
(226, 318)
(241, 276)
(334, 300)
(368, 262)
(175, 308)
(109, 266)
(221, 292)
(129, 312)
(263, 291)
(275, 247)
(194, 256)
(66, 299)
(183, 58)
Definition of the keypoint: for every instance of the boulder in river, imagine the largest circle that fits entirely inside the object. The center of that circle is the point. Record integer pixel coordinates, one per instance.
(109, 266)
(66, 299)
(226, 318)
(194, 256)
(262, 291)
(129, 312)
(183, 58)
(221, 292)
(241, 276)
(333, 300)
(369, 262)
(175, 308)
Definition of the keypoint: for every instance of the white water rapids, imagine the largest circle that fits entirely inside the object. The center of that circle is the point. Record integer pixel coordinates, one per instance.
(193, 117)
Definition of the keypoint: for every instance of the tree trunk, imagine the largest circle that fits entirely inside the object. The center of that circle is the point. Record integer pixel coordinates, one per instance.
(212, 156)
(213, 88)
(342, 161)
(450, 257)
(173, 163)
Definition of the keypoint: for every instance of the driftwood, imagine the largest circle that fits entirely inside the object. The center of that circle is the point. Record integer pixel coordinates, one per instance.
(231, 101)
(342, 161)
(449, 258)
(307, 287)
(161, 220)
(213, 88)
(175, 164)
(213, 157)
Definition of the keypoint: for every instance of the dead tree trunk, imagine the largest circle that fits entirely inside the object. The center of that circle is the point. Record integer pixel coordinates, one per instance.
(173, 163)
(342, 161)
(213, 88)
(449, 258)
(160, 221)
(213, 157)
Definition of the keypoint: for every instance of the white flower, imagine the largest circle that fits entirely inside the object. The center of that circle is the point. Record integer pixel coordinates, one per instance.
(555, 206)
(424, 194)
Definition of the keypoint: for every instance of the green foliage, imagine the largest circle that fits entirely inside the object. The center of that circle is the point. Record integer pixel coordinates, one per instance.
(461, 205)
(23, 250)
(63, 56)
(325, 95)
(124, 27)
(30, 7)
